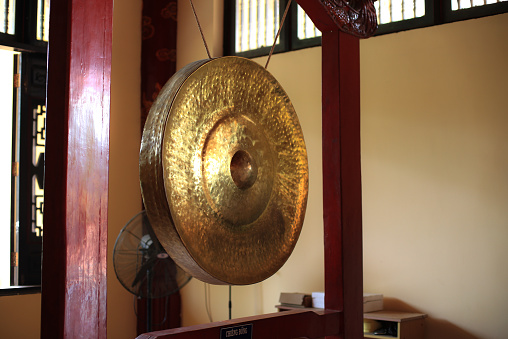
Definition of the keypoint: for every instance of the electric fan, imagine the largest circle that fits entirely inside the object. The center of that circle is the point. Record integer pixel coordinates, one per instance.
(142, 265)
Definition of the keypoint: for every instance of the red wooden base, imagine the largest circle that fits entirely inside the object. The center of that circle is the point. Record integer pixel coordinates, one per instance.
(282, 325)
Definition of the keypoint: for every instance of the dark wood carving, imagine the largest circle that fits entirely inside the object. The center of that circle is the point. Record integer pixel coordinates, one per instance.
(355, 17)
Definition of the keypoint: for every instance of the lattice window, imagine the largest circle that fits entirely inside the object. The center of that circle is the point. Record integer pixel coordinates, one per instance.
(39, 146)
(306, 28)
(398, 10)
(463, 4)
(7, 12)
(24, 25)
(24, 22)
(42, 20)
(257, 22)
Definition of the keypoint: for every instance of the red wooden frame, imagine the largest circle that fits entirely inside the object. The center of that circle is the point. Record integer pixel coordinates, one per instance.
(342, 203)
(77, 155)
(285, 325)
(77, 160)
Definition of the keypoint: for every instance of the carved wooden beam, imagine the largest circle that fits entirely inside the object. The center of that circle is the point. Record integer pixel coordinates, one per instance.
(357, 18)
(342, 203)
(354, 17)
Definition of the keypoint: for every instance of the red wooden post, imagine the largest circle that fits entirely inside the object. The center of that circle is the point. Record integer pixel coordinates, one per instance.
(342, 180)
(342, 202)
(77, 159)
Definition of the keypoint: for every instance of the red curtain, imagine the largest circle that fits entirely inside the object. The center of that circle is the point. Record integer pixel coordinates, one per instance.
(158, 64)
(158, 49)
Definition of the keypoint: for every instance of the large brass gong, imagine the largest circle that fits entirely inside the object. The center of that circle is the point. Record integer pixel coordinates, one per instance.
(223, 170)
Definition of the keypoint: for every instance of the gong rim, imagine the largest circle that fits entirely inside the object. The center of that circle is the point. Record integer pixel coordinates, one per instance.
(231, 173)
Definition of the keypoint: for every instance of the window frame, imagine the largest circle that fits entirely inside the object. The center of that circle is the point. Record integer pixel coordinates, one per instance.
(230, 35)
(449, 15)
(292, 25)
(437, 12)
(29, 65)
(288, 36)
(33, 95)
(24, 38)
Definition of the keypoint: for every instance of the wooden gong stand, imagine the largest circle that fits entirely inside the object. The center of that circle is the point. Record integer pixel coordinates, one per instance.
(77, 162)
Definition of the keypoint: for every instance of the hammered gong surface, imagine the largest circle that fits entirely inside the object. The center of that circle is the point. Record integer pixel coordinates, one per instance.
(227, 160)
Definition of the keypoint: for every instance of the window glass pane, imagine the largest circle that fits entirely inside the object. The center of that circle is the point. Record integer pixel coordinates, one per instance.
(306, 28)
(7, 11)
(6, 113)
(257, 22)
(462, 4)
(398, 10)
(42, 20)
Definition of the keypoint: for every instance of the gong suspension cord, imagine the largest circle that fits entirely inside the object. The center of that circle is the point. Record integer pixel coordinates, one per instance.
(200, 30)
(278, 33)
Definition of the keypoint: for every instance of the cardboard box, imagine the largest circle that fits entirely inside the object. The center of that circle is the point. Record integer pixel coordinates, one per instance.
(372, 302)
(295, 299)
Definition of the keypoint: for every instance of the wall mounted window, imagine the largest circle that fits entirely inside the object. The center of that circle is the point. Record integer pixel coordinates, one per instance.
(23, 45)
(251, 25)
(399, 15)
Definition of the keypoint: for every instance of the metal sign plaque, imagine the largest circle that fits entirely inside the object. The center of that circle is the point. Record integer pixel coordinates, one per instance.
(237, 332)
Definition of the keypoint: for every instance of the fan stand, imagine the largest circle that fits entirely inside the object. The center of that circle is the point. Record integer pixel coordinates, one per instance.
(230, 306)
(148, 301)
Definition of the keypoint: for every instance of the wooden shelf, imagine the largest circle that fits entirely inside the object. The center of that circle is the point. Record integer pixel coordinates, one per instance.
(393, 316)
(409, 325)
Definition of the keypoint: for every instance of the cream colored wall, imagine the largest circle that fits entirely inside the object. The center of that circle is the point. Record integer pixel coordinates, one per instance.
(124, 191)
(20, 316)
(435, 164)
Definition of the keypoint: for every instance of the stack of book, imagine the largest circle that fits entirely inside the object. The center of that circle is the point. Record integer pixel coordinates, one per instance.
(371, 302)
